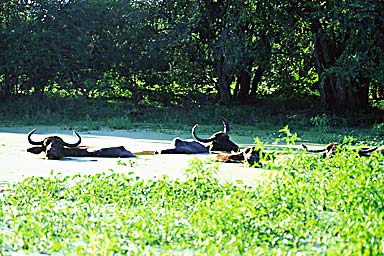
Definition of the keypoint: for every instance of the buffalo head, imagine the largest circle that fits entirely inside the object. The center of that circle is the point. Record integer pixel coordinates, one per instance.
(219, 141)
(252, 155)
(53, 146)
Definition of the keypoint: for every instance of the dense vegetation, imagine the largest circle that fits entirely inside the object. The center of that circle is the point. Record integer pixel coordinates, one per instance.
(306, 205)
(186, 51)
(170, 64)
(263, 119)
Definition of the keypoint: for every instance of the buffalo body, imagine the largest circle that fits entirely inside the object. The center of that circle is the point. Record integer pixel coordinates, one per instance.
(55, 148)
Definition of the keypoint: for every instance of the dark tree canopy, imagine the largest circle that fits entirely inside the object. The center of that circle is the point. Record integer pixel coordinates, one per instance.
(171, 52)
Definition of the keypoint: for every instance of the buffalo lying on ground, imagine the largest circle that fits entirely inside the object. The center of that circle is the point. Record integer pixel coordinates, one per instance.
(249, 155)
(369, 151)
(331, 148)
(219, 141)
(328, 151)
(185, 147)
(55, 147)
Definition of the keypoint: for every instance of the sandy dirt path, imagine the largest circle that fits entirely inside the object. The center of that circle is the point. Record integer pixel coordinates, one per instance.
(17, 163)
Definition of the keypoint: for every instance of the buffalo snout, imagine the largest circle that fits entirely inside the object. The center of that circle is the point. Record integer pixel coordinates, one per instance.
(54, 149)
(252, 156)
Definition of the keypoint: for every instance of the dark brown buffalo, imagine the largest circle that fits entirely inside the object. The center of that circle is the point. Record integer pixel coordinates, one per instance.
(250, 155)
(180, 146)
(217, 142)
(330, 149)
(369, 151)
(55, 147)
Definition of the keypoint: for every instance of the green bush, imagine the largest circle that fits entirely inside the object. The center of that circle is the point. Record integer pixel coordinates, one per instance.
(308, 205)
(321, 123)
(378, 130)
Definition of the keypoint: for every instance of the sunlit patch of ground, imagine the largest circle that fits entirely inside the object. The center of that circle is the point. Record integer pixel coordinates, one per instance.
(17, 163)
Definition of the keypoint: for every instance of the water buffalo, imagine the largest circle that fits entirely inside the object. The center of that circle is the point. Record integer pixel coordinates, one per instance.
(250, 155)
(369, 151)
(55, 147)
(185, 147)
(330, 149)
(217, 142)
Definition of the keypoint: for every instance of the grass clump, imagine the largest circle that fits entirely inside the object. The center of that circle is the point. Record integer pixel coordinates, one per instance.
(309, 205)
(259, 119)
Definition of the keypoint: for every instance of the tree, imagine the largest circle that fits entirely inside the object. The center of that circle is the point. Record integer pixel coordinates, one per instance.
(232, 40)
(170, 51)
(348, 50)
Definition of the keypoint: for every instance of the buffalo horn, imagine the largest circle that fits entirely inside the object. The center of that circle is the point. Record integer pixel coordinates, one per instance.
(74, 144)
(201, 139)
(31, 141)
(226, 126)
(367, 151)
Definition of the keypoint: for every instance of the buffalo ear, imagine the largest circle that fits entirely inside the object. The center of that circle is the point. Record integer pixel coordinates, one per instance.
(35, 150)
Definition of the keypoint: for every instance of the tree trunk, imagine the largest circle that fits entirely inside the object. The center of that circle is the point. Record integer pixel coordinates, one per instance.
(339, 92)
(223, 83)
(265, 64)
(6, 89)
(256, 80)
(224, 95)
(341, 96)
(245, 83)
(223, 89)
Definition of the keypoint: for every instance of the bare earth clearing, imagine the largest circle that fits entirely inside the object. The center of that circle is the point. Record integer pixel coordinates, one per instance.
(17, 163)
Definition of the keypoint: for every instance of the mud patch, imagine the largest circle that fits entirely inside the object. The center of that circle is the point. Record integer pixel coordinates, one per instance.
(18, 164)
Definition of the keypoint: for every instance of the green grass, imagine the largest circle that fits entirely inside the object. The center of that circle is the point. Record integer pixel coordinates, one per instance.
(258, 120)
(309, 205)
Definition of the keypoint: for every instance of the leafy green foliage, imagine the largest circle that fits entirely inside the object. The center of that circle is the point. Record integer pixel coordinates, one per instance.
(289, 138)
(344, 49)
(170, 53)
(378, 130)
(262, 120)
(321, 123)
(308, 205)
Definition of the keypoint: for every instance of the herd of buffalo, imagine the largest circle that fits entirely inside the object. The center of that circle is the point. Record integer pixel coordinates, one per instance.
(55, 147)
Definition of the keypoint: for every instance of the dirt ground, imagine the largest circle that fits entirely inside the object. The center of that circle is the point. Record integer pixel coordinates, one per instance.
(17, 163)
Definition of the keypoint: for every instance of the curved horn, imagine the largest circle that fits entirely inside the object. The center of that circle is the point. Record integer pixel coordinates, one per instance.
(198, 138)
(74, 144)
(367, 151)
(313, 150)
(31, 141)
(370, 150)
(226, 126)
